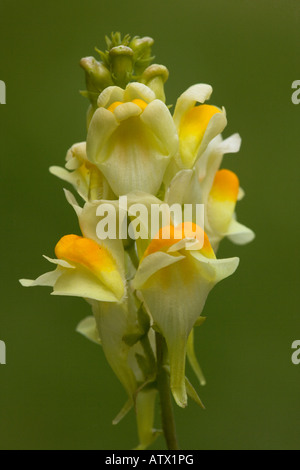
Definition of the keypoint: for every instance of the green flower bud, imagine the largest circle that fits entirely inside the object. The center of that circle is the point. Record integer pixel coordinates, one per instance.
(155, 77)
(121, 64)
(142, 53)
(97, 77)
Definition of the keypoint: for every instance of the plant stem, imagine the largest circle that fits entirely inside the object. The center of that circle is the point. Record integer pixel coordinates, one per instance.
(163, 383)
(148, 353)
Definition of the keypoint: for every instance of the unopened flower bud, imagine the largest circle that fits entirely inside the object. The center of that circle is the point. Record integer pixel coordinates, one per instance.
(121, 64)
(97, 77)
(142, 53)
(155, 77)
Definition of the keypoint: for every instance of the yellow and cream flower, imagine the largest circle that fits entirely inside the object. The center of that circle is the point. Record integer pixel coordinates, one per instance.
(131, 138)
(84, 269)
(95, 270)
(85, 177)
(87, 269)
(174, 279)
(218, 190)
(197, 123)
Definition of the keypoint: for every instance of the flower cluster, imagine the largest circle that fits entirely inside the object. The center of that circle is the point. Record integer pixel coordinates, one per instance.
(155, 284)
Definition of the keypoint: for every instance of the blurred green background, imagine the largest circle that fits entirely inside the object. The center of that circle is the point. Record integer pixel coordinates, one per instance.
(57, 391)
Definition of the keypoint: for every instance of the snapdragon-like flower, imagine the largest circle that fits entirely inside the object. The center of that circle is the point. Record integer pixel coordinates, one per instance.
(146, 267)
(84, 269)
(85, 177)
(88, 270)
(196, 124)
(217, 189)
(175, 278)
(131, 138)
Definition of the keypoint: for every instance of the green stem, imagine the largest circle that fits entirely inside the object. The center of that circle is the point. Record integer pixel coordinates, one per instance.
(163, 383)
(148, 353)
(131, 250)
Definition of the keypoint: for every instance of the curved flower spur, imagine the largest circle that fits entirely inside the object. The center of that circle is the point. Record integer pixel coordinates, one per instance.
(147, 289)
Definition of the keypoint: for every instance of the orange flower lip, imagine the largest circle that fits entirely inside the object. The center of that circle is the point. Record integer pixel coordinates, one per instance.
(225, 186)
(170, 235)
(114, 105)
(85, 252)
(141, 103)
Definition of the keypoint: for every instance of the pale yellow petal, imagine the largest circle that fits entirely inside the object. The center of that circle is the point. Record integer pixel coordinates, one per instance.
(195, 94)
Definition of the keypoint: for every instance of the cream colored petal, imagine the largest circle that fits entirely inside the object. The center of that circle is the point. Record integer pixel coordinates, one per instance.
(184, 189)
(209, 163)
(211, 159)
(47, 279)
(126, 110)
(61, 173)
(230, 145)
(172, 169)
(102, 126)
(215, 126)
(241, 194)
(88, 328)
(76, 153)
(78, 180)
(138, 90)
(215, 270)
(175, 193)
(186, 244)
(135, 159)
(59, 262)
(195, 94)
(88, 221)
(239, 234)
(132, 152)
(82, 283)
(109, 95)
(71, 164)
(219, 215)
(158, 118)
(151, 264)
(72, 201)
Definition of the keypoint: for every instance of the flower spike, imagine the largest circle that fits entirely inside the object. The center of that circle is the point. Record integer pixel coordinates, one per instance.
(156, 206)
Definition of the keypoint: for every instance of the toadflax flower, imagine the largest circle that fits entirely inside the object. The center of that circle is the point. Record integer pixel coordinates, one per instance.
(84, 269)
(196, 125)
(143, 263)
(85, 177)
(131, 138)
(175, 279)
(217, 189)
